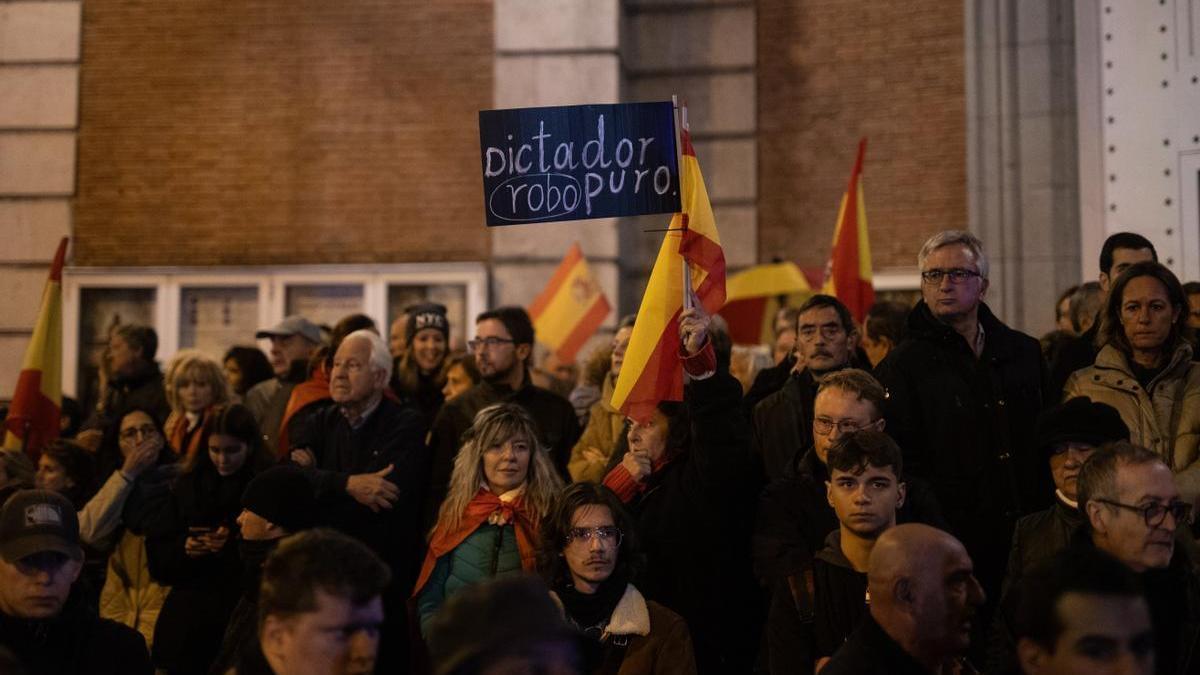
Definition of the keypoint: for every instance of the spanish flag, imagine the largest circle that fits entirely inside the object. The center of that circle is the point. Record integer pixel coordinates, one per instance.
(755, 296)
(652, 371)
(571, 307)
(849, 277)
(33, 417)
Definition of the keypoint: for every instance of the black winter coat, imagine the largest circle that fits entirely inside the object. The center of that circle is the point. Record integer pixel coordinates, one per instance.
(204, 589)
(554, 415)
(393, 434)
(143, 390)
(870, 651)
(966, 425)
(76, 642)
(783, 424)
(695, 534)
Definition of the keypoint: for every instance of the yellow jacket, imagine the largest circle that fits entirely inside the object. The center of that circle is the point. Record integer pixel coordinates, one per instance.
(1164, 417)
(130, 596)
(605, 424)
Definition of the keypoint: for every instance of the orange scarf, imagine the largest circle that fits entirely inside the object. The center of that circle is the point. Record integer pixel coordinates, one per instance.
(315, 388)
(199, 439)
(482, 506)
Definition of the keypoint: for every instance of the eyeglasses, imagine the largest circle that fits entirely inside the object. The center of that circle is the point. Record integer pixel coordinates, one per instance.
(607, 534)
(489, 342)
(1154, 514)
(145, 431)
(957, 275)
(824, 426)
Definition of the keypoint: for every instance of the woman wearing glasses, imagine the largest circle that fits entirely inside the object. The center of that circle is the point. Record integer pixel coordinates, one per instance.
(1144, 369)
(589, 556)
(502, 485)
(129, 594)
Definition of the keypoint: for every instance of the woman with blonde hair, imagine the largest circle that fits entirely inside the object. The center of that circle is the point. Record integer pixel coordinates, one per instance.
(195, 386)
(503, 483)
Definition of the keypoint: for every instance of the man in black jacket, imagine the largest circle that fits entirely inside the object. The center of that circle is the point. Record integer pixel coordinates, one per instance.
(795, 517)
(866, 487)
(1119, 252)
(134, 381)
(963, 391)
(924, 596)
(502, 346)
(368, 464)
(825, 341)
(48, 628)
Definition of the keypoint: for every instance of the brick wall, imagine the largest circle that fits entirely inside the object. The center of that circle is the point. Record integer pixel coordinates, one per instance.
(264, 132)
(830, 71)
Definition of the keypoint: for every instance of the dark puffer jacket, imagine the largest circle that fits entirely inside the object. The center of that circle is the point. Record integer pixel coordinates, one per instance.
(75, 642)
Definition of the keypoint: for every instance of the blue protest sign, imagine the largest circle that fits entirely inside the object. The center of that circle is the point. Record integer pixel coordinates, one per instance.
(575, 162)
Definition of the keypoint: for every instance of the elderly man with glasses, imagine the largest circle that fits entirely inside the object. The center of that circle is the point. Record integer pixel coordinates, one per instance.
(1134, 513)
(964, 391)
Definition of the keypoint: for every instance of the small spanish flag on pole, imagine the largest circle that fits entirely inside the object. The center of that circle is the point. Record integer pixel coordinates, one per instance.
(33, 417)
(652, 371)
(571, 307)
(849, 274)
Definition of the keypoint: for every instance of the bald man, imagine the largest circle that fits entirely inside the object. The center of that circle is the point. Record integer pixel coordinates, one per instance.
(923, 596)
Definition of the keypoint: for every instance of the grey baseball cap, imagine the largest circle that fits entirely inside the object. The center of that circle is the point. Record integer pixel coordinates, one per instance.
(292, 325)
(34, 521)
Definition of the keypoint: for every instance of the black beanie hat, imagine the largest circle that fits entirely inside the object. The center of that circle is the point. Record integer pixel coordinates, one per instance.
(426, 315)
(283, 496)
(1080, 420)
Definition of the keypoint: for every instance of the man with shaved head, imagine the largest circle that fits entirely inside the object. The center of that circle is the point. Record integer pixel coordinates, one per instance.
(923, 596)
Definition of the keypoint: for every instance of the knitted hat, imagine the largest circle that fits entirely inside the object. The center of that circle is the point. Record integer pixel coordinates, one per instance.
(426, 315)
(283, 496)
(1080, 420)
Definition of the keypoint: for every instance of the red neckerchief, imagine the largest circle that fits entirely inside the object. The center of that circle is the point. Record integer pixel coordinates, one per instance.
(482, 506)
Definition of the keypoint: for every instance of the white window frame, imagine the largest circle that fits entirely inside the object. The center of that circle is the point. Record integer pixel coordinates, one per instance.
(272, 283)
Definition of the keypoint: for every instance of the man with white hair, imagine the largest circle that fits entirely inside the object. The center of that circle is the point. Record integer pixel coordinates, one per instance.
(963, 392)
(369, 465)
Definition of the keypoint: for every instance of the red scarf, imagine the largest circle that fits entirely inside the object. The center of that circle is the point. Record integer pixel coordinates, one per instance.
(481, 507)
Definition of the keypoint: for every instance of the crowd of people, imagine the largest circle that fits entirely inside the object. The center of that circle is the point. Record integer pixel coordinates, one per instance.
(929, 491)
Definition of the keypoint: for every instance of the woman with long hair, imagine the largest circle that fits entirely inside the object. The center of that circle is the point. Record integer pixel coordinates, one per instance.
(192, 545)
(502, 485)
(1144, 369)
(459, 373)
(195, 387)
(419, 375)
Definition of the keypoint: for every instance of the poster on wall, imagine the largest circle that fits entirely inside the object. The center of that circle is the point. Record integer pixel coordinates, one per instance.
(577, 162)
(213, 319)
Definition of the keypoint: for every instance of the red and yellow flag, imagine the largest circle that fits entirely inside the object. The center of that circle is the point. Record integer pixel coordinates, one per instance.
(652, 371)
(571, 307)
(33, 417)
(849, 276)
(754, 296)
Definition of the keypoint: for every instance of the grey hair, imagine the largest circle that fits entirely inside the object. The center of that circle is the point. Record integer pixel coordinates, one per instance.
(381, 357)
(949, 238)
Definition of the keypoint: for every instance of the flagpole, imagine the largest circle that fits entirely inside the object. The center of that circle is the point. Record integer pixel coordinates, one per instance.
(682, 124)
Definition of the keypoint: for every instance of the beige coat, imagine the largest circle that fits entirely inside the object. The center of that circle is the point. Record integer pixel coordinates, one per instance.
(605, 424)
(1165, 419)
(130, 596)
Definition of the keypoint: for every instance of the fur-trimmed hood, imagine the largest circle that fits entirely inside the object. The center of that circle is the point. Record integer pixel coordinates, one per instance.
(630, 617)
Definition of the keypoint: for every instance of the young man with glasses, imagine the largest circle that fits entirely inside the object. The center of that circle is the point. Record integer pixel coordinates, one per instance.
(826, 339)
(502, 346)
(1135, 514)
(963, 392)
(587, 556)
(795, 516)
